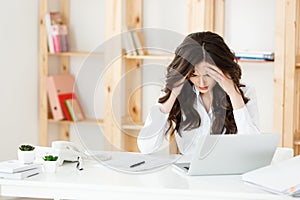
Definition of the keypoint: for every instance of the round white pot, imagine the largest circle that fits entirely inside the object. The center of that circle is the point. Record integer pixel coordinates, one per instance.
(50, 166)
(26, 157)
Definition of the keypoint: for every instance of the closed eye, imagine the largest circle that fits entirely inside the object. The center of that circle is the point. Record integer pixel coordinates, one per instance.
(193, 75)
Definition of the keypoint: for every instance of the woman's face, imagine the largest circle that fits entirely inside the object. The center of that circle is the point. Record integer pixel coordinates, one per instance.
(201, 79)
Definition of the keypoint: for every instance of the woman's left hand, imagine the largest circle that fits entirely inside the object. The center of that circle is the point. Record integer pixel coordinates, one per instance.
(228, 86)
(224, 81)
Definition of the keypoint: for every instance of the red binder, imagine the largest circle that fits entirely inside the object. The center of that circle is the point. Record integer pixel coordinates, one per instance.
(71, 116)
(57, 85)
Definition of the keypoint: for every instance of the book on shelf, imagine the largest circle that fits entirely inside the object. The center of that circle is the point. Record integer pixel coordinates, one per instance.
(280, 178)
(51, 18)
(57, 33)
(55, 38)
(74, 109)
(142, 42)
(56, 85)
(133, 42)
(259, 56)
(14, 166)
(137, 43)
(63, 38)
(71, 107)
(129, 44)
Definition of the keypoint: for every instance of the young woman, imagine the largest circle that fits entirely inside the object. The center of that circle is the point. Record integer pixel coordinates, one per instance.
(202, 95)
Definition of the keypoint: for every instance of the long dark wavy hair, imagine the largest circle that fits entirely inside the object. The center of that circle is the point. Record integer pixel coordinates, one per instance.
(196, 48)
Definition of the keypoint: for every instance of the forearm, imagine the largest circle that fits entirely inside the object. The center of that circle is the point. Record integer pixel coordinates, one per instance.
(152, 134)
(166, 107)
(244, 122)
(236, 99)
(247, 117)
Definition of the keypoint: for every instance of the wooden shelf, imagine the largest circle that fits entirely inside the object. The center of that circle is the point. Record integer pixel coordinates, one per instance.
(171, 56)
(297, 142)
(150, 57)
(88, 121)
(76, 54)
(98, 121)
(128, 124)
(132, 127)
(254, 61)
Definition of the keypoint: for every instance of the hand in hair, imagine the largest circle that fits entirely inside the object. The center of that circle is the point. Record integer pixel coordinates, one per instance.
(178, 87)
(224, 81)
(228, 86)
(175, 91)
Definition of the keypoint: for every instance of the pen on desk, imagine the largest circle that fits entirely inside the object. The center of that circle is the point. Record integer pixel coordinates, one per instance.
(137, 164)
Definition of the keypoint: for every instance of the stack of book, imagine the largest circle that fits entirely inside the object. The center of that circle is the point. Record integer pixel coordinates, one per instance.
(255, 56)
(57, 33)
(14, 169)
(63, 100)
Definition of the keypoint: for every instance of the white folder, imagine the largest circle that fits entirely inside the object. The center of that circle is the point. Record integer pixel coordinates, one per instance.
(280, 178)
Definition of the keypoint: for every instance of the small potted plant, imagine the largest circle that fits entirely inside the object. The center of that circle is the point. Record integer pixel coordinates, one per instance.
(50, 163)
(26, 153)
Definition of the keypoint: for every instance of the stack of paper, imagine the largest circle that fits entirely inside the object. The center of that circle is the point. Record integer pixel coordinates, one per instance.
(280, 178)
(13, 169)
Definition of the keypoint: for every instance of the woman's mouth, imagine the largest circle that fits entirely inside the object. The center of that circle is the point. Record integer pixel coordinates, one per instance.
(203, 88)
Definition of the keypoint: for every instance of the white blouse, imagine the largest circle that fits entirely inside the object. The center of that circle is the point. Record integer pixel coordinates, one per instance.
(152, 135)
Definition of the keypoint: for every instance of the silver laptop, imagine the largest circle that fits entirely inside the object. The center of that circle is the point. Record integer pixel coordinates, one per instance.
(231, 154)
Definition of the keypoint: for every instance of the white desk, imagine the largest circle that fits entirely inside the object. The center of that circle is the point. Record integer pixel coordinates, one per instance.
(100, 182)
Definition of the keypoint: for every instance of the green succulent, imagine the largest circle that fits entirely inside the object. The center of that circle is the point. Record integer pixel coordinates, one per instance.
(26, 147)
(50, 158)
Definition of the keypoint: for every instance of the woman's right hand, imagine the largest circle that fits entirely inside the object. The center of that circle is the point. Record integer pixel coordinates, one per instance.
(178, 86)
(167, 105)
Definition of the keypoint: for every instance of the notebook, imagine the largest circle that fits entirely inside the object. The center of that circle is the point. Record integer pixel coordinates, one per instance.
(279, 178)
(13, 166)
(231, 154)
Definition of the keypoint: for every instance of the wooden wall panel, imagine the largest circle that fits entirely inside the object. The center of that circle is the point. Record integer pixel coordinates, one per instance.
(200, 15)
(43, 73)
(65, 66)
(113, 74)
(133, 79)
(286, 75)
(219, 16)
(289, 95)
(279, 67)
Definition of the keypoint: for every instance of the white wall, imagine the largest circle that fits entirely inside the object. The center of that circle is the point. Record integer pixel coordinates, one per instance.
(250, 25)
(19, 60)
(19, 75)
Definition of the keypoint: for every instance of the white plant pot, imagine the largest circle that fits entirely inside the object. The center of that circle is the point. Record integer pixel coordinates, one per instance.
(50, 166)
(26, 157)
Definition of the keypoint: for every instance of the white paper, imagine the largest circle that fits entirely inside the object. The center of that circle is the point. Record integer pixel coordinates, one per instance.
(125, 160)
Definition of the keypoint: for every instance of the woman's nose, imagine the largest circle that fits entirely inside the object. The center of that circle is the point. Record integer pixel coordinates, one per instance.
(202, 81)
